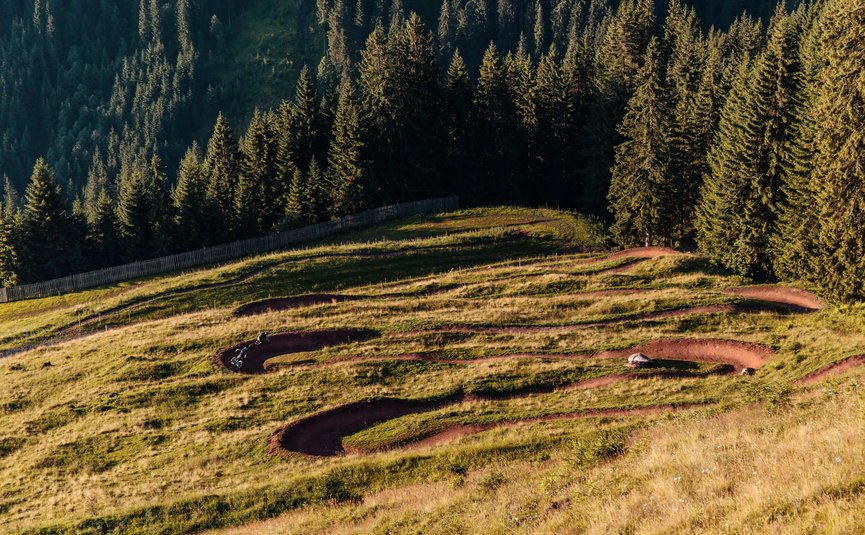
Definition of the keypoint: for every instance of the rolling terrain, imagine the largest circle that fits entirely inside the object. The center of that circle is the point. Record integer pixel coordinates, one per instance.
(435, 374)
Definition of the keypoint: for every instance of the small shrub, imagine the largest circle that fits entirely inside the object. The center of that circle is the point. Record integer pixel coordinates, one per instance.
(10, 445)
(491, 481)
(594, 448)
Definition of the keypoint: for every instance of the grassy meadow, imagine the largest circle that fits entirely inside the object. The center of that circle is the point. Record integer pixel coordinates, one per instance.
(115, 418)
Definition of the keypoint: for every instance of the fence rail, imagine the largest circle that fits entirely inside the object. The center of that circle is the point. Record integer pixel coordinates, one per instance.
(220, 253)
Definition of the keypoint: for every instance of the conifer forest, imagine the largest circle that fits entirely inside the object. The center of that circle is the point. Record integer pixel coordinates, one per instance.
(132, 130)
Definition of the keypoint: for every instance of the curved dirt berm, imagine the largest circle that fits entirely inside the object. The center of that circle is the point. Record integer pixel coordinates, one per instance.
(321, 434)
(839, 367)
(290, 303)
(286, 344)
(787, 297)
(740, 355)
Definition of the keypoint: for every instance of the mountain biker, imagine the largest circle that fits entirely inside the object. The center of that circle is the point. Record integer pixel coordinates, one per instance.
(263, 338)
(238, 359)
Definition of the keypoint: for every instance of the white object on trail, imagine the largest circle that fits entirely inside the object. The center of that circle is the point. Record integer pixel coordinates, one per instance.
(638, 360)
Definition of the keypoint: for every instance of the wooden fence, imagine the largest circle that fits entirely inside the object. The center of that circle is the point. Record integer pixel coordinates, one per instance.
(224, 252)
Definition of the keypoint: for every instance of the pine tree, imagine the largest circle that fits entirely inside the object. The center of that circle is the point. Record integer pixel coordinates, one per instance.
(747, 162)
(161, 216)
(48, 248)
(221, 170)
(839, 143)
(134, 210)
(295, 211)
(458, 103)
(189, 202)
(9, 262)
(495, 120)
(794, 242)
(640, 191)
(103, 235)
(315, 194)
(257, 206)
(346, 166)
(684, 49)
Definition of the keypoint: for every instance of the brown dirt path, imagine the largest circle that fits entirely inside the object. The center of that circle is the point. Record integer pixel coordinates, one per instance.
(792, 299)
(286, 344)
(321, 434)
(834, 369)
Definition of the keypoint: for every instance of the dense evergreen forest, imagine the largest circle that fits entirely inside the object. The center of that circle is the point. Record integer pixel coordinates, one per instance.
(688, 125)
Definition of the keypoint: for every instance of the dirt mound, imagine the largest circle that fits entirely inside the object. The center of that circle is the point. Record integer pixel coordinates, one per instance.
(644, 252)
(289, 303)
(834, 369)
(740, 355)
(792, 299)
(286, 344)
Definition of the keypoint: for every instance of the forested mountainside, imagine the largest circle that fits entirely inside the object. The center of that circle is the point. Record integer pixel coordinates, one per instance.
(743, 140)
(117, 81)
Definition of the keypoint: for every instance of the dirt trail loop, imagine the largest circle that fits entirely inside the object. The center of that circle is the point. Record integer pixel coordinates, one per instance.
(834, 369)
(321, 434)
(286, 344)
(792, 299)
(644, 252)
(740, 355)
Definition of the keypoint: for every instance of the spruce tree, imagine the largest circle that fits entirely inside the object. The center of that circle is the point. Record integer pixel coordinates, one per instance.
(48, 247)
(495, 120)
(315, 194)
(134, 209)
(9, 262)
(103, 236)
(346, 166)
(257, 206)
(189, 203)
(640, 191)
(839, 143)
(221, 170)
(458, 103)
(741, 199)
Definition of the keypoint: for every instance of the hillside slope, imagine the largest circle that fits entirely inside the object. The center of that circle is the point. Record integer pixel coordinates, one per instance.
(469, 368)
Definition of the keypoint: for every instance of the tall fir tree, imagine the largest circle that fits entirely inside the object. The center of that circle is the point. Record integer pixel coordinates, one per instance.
(641, 189)
(134, 209)
(257, 203)
(189, 203)
(221, 170)
(48, 246)
(839, 144)
(347, 169)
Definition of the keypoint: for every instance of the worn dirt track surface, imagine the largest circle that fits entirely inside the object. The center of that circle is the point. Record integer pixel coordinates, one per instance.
(740, 355)
(834, 369)
(286, 344)
(792, 299)
(321, 434)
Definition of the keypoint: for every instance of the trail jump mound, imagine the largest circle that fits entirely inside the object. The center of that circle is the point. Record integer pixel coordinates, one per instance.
(740, 355)
(789, 298)
(289, 303)
(834, 369)
(286, 344)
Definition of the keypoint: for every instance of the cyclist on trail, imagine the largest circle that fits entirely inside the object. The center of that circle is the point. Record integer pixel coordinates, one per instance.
(238, 359)
(263, 338)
